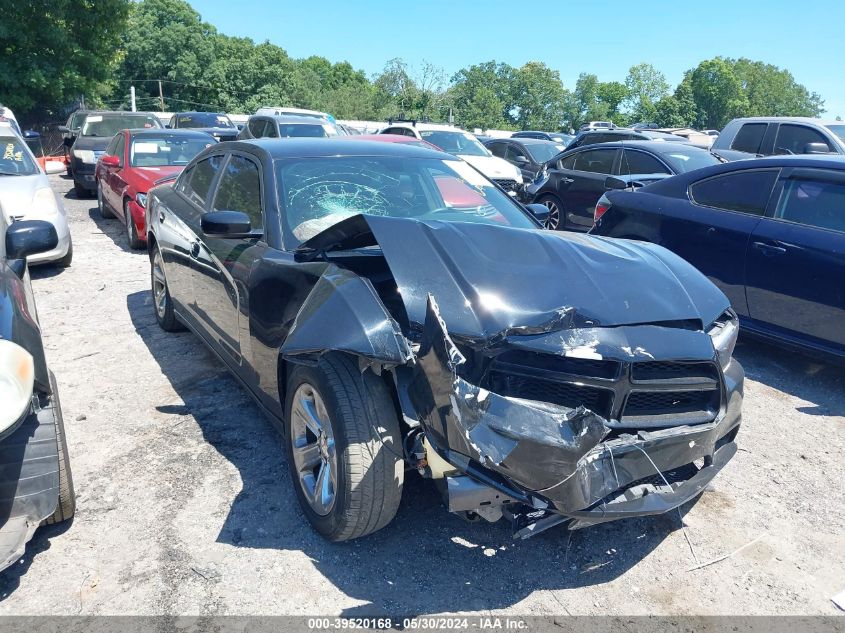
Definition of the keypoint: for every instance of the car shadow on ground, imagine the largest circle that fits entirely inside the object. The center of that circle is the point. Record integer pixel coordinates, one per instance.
(10, 578)
(819, 382)
(426, 560)
(113, 228)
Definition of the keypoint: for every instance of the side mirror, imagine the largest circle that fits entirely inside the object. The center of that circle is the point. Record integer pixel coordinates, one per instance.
(816, 148)
(31, 135)
(521, 160)
(227, 224)
(611, 182)
(30, 237)
(64, 129)
(167, 126)
(110, 161)
(539, 211)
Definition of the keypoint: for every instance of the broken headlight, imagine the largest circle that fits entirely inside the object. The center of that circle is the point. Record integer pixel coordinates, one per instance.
(724, 332)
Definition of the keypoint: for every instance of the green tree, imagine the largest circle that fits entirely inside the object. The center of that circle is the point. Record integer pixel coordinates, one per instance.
(481, 95)
(773, 91)
(538, 98)
(612, 94)
(52, 52)
(646, 86)
(677, 110)
(717, 93)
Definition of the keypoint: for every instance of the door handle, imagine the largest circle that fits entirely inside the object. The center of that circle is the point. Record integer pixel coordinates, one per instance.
(161, 216)
(195, 249)
(567, 181)
(769, 249)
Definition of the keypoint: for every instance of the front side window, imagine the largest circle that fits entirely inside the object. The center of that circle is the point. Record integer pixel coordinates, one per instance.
(598, 161)
(196, 182)
(744, 191)
(514, 153)
(240, 190)
(256, 127)
(317, 193)
(111, 150)
(302, 130)
(793, 139)
(165, 150)
(816, 203)
(750, 138)
(111, 124)
(634, 162)
(568, 162)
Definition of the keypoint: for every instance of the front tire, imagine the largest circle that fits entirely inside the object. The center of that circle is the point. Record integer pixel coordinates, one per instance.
(553, 204)
(344, 448)
(135, 242)
(66, 507)
(65, 261)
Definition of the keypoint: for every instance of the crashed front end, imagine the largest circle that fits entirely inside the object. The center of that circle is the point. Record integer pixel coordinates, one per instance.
(614, 433)
(610, 393)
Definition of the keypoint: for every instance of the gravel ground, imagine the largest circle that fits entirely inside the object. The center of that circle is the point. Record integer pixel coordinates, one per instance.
(185, 505)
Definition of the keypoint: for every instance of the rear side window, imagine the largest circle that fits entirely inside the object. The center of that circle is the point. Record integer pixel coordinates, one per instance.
(793, 139)
(634, 162)
(744, 191)
(599, 161)
(240, 190)
(750, 138)
(256, 127)
(497, 149)
(196, 182)
(813, 203)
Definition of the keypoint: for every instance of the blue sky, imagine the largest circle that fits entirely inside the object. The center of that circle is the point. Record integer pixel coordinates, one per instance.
(601, 37)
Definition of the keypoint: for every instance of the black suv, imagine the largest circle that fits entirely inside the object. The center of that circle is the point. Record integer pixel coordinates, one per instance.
(35, 480)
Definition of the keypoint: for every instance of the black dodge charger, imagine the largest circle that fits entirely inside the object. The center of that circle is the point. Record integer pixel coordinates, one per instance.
(382, 303)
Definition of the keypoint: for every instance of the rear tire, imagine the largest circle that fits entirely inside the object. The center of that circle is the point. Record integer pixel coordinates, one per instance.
(553, 204)
(162, 304)
(66, 507)
(365, 443)
(103, 208)
(135, 242)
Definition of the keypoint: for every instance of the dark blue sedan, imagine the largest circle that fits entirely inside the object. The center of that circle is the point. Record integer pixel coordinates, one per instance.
(769, 232)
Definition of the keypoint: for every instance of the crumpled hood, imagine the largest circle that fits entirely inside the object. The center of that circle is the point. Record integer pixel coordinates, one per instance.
(492, 281)
(493, 167)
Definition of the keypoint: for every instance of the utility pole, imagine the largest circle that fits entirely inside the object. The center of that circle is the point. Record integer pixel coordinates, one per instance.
(132, 97)
(83, 101)
(160, 97)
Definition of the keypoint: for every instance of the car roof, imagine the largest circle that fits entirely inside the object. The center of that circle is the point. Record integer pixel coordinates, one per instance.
(796, 119)
(658, 147)
(524, 141)
(326, 147)
(425, 127)
(287, 118)
(120, 113)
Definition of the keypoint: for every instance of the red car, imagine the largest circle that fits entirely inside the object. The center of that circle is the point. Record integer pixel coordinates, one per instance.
(135, 161)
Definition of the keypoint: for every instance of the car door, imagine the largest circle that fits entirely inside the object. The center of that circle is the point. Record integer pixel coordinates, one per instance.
(796, 259)
(581, 187)
(793, 138)
(178, 231)
(105, 171)
(224, 263)
(115, 178)
(711, 229)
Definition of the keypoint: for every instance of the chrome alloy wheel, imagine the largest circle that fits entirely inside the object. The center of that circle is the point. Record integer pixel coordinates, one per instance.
(159, 285)
(313, 444)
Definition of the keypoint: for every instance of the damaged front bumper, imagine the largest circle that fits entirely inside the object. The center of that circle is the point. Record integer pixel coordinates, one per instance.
(549, 463)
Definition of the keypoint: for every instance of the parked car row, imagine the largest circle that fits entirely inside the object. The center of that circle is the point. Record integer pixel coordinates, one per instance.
(379, 298)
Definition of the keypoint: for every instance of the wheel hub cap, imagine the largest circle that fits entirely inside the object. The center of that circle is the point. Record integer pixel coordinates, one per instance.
(313, 446)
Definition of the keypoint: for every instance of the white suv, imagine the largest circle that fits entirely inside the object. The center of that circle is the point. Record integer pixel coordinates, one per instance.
(463, 145)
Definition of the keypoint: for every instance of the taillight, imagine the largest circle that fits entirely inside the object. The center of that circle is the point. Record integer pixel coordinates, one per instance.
(601, 208)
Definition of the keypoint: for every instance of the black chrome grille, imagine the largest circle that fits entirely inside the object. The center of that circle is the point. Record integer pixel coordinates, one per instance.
(562, 393)
(646, 395)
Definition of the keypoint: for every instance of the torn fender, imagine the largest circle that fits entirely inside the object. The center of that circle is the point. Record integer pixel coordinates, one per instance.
(344, 313)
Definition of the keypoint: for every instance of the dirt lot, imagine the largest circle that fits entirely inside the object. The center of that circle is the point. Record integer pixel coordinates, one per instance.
(185, 506)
